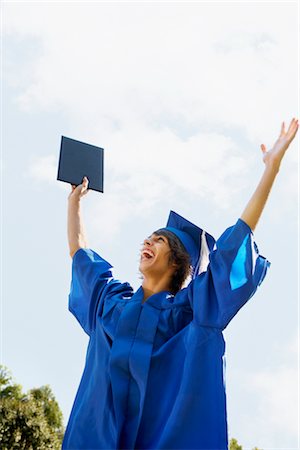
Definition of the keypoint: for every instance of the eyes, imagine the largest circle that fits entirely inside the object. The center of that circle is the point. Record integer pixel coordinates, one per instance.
(157, 238)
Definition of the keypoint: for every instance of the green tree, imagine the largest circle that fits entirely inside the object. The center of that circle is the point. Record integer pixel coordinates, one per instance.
(31, 421)
(234, 445)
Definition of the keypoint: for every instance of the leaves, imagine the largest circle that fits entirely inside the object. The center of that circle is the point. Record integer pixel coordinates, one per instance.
(28, 421)
(234, 445)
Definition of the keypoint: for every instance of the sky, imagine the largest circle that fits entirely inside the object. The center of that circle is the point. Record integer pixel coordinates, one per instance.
(180, 95)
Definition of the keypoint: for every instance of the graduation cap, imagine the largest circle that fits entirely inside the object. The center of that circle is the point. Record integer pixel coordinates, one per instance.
(78, 159)
(197, 242)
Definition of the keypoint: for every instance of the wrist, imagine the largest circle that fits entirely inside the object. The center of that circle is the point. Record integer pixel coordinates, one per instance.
(74, 201)
(273, 166)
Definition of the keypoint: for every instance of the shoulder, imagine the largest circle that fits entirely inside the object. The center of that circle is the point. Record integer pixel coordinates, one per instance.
(121, 289)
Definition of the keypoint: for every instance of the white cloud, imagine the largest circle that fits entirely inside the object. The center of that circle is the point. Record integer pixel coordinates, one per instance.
(180, 96)
(145, 169)
(176, 94)
(278, 405)
(154, 61)
(273, 394)
(42, 168)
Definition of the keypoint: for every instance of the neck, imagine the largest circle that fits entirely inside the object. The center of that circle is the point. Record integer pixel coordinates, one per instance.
(153, 286)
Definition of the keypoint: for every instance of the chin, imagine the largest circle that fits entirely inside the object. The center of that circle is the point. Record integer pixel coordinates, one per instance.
(142, 269)
(143, 266)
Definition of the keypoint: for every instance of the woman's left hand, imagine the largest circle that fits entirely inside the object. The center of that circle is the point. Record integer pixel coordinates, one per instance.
(275, 155)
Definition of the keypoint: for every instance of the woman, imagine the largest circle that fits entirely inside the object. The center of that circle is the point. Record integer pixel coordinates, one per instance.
(154, 371)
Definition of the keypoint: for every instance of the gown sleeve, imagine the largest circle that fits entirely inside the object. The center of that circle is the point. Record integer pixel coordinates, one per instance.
(234, 272)
(91, 275)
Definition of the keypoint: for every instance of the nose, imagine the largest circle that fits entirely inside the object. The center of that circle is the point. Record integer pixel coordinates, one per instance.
(147, 241)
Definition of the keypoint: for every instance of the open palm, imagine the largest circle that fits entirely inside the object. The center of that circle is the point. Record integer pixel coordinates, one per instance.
(275, 155)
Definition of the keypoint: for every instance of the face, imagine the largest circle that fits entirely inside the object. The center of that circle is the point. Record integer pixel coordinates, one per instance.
(155, 255)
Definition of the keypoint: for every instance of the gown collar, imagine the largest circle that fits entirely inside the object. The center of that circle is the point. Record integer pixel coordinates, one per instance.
(158, 300)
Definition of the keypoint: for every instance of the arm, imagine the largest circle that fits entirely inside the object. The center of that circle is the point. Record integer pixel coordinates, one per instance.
(272, 160)
(255, 206)
(76, 231)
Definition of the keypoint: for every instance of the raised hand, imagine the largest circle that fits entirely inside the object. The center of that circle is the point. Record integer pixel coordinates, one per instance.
(272, 159)
(275, 155)
(80, 190)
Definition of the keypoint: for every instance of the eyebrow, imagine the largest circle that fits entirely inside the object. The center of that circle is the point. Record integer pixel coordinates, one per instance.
(156, 235)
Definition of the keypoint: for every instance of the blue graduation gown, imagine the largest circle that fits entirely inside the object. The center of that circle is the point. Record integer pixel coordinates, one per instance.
(154, 373)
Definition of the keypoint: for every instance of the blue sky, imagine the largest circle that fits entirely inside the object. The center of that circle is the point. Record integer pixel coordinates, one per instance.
(180, 95)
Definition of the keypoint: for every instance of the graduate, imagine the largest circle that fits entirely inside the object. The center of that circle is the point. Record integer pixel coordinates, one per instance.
(154, 375)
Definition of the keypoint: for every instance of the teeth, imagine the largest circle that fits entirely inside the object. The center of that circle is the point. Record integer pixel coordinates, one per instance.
(148, 253)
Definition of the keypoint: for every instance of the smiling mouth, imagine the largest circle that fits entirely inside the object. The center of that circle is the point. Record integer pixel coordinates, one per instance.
(147, 254)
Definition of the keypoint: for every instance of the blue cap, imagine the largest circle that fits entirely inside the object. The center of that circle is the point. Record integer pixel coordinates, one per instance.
(197, 242)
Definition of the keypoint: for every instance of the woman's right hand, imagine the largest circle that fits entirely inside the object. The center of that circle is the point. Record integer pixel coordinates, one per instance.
(80, 190)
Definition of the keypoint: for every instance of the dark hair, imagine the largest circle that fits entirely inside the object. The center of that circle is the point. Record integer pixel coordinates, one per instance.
(179, 256)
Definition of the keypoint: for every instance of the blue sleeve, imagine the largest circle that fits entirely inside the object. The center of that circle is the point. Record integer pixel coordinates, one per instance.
(90, 276)
(234, 272)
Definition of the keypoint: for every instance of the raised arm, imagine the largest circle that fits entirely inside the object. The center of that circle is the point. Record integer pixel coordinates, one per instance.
(76, 232)
(272, 160)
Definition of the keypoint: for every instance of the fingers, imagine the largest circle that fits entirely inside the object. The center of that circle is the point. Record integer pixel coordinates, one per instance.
(85, 183)
(290, 133)
(81, 189)
(292, 129)
(293, 124)
(84, 186)
(263, 147)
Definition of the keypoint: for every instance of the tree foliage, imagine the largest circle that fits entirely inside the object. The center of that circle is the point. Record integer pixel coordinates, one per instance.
(28, 421)
(34, 421)
(234, 445)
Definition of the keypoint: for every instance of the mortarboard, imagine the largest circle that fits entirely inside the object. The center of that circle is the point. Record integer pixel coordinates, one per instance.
(197, 242)
(78, 159)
